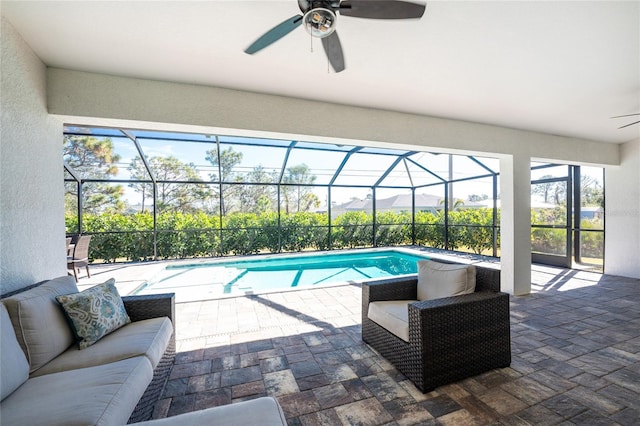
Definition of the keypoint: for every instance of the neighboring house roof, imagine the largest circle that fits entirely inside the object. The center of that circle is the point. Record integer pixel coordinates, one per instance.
(397, 202)
(355, 205)
(534, 204)
(401, 202)
(591, 209)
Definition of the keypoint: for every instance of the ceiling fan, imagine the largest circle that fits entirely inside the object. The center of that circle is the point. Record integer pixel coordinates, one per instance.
(627, 115)
(319, 19)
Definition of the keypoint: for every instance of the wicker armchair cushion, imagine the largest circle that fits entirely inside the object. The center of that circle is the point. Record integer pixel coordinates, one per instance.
(393, 315)
(39, 323)
(94, 312)
(15, 368)
(437, 280)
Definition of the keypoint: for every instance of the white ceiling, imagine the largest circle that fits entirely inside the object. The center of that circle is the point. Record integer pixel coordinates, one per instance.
(562, 67)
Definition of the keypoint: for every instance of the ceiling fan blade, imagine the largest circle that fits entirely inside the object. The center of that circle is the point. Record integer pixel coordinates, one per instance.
(627, 115)
(382, 9)
(333, 48)
(630, 124)
(304, 5)
(275, 34)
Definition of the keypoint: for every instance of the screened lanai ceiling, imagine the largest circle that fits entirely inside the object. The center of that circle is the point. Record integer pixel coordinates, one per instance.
(558, 67)
(272, 161)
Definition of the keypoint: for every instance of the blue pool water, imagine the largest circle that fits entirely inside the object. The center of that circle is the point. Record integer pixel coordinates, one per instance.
(260, 274)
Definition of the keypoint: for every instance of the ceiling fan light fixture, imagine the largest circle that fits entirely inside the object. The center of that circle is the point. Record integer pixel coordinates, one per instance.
(319, 22)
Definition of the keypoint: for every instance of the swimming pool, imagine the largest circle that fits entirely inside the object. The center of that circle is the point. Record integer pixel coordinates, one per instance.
(263, 274)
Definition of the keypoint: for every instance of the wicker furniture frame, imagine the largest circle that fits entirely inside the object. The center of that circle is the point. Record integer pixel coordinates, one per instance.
(451, 338)
(140, 308)
(145, 307)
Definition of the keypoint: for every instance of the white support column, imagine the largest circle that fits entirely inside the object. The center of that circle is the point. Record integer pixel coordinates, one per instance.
(622, 210)
(515, 224)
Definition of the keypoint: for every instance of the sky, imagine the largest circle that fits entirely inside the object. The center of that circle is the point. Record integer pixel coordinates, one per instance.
(360, 169)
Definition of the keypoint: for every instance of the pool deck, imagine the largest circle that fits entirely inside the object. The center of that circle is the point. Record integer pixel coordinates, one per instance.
(575, 345)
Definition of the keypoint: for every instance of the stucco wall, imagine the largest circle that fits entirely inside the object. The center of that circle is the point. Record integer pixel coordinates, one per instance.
(622, 210)
(81, 94)
(31, 189)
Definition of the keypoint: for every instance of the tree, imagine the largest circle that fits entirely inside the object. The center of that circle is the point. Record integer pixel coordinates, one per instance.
(591, 191)
(255, 196)
(139, 172)
(476, 197)
(173, 194)
(551, 192)
(297, 194)
(92, 158)
(224, 164)
(457, 203)
(543, 189)
(559, 193)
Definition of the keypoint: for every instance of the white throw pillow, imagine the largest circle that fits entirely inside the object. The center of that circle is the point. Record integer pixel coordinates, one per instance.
(437, 280)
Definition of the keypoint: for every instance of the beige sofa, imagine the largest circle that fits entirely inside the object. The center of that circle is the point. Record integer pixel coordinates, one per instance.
(46, 380)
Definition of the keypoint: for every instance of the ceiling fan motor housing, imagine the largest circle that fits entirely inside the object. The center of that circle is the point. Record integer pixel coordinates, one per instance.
(307, 5)
(319, 22)
(319, 16)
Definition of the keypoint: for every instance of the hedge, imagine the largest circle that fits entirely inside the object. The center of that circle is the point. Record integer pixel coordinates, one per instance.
(129, 237)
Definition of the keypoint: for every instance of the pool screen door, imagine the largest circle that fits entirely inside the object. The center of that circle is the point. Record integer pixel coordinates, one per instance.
(551, 206)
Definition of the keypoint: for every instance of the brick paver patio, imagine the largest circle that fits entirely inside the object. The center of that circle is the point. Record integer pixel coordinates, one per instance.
(575, 344)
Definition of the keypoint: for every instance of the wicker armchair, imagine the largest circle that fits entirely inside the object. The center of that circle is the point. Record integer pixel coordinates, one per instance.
(451, 338)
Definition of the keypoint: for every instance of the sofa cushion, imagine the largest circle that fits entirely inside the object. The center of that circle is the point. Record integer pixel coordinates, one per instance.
(147, 337)
(94, 312)
(437, 280)
(39, 323)
(101, 395)
(393, 315)
(13, 362)
(263, 411)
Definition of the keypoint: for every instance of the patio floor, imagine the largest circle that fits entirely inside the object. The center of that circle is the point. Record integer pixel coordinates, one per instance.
(575, 345)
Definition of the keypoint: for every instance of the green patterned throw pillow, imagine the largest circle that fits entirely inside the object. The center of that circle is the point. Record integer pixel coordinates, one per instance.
(94, 312)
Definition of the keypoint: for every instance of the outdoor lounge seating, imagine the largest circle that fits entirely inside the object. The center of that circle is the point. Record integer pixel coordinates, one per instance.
(48, 379)
(448, 339)
(263, 411)
(80, 256)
